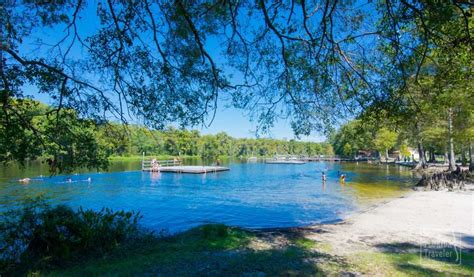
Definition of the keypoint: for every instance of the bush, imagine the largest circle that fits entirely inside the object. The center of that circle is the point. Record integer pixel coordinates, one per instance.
(214, 231)
(40, 236)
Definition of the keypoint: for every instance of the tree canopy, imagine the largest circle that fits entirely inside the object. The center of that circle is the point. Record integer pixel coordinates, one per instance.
(170, 61)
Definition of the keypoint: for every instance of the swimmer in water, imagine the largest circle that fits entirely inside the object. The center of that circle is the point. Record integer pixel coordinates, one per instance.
(324, 177)
(342, 179)
(24, 180)
(89, 179)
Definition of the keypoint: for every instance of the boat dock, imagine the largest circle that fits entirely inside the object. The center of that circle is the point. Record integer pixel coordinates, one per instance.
(285, 159)
(336, 159)
(175, 166)
(284, 162)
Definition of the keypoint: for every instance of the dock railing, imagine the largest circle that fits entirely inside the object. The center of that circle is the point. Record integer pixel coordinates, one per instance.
(148, 165)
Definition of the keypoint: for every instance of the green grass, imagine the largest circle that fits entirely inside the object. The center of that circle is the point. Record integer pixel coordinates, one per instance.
(411, 264)
(209, 249)
(305, 243)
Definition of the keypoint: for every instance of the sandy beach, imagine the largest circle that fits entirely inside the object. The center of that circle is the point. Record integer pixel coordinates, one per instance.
(417, 218)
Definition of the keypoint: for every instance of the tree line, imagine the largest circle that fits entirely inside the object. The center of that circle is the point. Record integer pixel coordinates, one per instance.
(445, 138)
(74, 141)
(134, 140)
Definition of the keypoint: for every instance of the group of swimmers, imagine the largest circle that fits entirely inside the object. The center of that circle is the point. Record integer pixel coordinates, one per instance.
(68, 180)
(342, 177)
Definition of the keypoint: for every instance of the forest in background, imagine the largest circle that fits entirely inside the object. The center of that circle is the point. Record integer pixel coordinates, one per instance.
(134, 140)
(90, 142)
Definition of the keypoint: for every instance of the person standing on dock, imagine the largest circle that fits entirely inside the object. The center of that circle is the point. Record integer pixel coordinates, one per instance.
(155, 166)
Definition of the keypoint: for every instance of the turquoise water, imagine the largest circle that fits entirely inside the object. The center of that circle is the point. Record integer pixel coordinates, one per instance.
(253, 195)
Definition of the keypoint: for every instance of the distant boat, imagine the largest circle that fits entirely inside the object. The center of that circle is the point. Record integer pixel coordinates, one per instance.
(252, 159)
(285, 159)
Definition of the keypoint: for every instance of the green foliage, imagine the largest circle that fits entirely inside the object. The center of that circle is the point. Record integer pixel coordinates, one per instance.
(410, 58)
(67, 142)
(347, 150)
(384, 140)
(156, 56)
(133, 140)
(356, 135)
(434, 77)
(404, 150)
(32, 130)
(39, 236)
(206, 250)
(209, 147)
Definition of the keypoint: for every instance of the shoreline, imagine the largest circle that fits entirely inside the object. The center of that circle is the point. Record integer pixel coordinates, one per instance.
(417, 218)
(383, 239)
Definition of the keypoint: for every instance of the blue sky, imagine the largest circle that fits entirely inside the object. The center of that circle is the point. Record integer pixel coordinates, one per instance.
(235, 123)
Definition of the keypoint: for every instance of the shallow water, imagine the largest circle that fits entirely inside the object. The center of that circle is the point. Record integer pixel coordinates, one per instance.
(253, 195)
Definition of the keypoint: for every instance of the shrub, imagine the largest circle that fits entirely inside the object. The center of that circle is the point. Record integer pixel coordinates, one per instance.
(213, 231)
(40, 236)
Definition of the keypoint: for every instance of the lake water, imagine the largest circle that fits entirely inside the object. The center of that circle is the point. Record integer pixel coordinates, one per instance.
(254, 195)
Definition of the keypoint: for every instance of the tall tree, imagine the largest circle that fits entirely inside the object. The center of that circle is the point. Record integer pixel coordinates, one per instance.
(385, 140)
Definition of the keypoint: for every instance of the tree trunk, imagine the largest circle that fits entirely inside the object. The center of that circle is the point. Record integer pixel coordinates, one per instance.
(421, 160)
(471, 157)
(386, 155)
(432, 156)
(446, 157)
(452, 160)
(463, 156)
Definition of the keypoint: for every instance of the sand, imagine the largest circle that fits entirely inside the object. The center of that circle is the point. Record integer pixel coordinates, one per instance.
(418, 218)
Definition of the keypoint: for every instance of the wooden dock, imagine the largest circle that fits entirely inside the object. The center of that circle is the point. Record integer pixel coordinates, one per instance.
(285, 159)
(192, 169)
(336, 159)
(284, 162)
(175, 166)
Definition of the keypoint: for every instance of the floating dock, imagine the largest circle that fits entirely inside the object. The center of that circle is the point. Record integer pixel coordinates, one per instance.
(193, 169)
(175, 166)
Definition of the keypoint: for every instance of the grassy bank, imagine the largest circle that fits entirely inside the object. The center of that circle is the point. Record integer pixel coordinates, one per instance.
(59, 241)
(222, 250)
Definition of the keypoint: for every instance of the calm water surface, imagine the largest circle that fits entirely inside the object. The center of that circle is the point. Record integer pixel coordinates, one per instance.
(250, 195)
